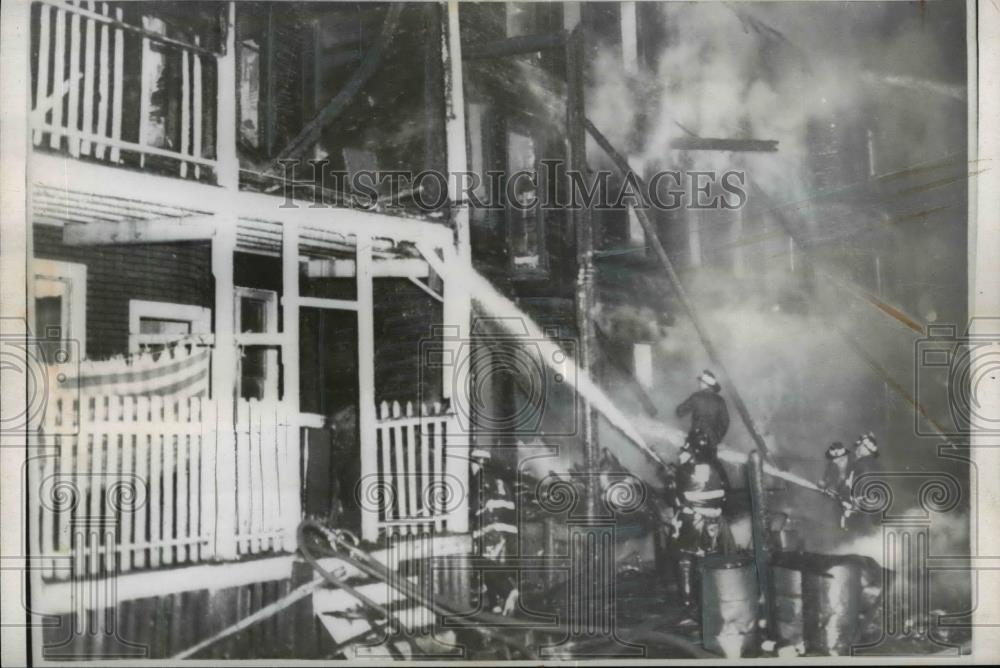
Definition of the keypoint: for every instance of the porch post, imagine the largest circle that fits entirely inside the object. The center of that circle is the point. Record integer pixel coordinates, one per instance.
(223, 247)
(228, 168)
(456, 310)
(457, 305)
(366, 388)
(224, 387)
(291, 484)
(457, 302)
(451, 54)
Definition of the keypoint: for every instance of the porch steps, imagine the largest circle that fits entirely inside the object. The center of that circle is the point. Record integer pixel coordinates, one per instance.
(345, 619)
(330, 599)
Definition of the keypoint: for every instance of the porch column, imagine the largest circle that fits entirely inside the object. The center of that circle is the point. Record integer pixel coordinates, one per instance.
(457, 312)
(451, 54)
(457, 305)
(366, 386)
(223, 247)
(291, 510)
(457, 302)
(228, 169)
(224, 387)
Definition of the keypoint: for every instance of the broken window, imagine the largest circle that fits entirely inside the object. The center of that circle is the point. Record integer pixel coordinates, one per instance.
(249, 68)
(524, 214)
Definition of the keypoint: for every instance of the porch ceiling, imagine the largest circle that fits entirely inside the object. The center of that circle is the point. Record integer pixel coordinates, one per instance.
(258, 235)
(76, 191)
(56, 206)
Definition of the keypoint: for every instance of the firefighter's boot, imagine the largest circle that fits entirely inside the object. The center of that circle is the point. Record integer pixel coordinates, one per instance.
(687, 588)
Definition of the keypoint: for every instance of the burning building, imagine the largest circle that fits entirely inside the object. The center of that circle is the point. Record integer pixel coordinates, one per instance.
(330, 359)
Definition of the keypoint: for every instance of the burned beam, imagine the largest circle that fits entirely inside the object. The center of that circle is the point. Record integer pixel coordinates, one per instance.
(310, 134)
(515, 46)
(717, 144)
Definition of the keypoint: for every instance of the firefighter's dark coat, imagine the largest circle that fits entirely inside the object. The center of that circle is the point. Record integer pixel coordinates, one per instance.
(708, 413)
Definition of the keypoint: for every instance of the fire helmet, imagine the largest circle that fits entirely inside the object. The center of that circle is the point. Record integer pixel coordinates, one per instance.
(836, 450)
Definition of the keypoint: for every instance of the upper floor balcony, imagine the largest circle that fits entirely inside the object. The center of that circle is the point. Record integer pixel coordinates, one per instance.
(207, 93)
(114, 84)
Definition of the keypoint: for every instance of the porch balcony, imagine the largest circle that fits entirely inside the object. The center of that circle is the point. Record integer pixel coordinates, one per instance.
(119, 90)
(191, 95)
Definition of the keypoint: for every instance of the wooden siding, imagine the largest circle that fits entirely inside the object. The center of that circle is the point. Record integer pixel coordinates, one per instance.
(170, 272)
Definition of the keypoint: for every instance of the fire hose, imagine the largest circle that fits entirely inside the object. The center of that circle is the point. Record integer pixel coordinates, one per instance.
(347, 551)
(480, 622)
(350, 553)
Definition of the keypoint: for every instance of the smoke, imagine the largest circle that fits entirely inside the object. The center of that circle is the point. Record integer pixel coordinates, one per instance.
(766, 70)
(948, 590)
(778, 71)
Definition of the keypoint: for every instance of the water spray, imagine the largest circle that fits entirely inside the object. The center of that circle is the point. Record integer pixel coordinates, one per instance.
(734, 457)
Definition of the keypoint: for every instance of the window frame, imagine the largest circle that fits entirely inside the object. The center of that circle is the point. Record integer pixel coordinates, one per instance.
(272, 362)
(541, 269)
(200, 318)
(74, 311)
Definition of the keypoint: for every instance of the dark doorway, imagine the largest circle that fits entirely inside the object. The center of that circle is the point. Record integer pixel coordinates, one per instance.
(328, 363)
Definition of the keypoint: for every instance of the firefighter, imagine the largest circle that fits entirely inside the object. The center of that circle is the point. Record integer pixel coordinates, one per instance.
(834, 482)
(495, 532)
(707, 409)
(864, 463)
(702, 528)
(865, 457)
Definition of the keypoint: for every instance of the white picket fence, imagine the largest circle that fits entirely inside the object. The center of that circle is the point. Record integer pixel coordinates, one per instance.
(129, 483)
(413, 490)
(79, 86)
(266, 481)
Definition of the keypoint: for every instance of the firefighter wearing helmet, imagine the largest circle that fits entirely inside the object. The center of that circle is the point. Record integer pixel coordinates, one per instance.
(707, 409)
(835, 482)
(864, 464)
(701, 527)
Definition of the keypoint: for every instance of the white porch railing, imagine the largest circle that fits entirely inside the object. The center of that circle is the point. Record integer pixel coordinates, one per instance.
(79, 102)
(415, 488)
(129, 483)
(266, 477)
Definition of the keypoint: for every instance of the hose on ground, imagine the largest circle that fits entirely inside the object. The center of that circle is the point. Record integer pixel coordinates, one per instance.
(483, 623)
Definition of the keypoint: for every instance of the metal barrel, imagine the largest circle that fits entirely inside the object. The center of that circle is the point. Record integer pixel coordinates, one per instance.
(831, 601)
(788, 621)
(730, 604)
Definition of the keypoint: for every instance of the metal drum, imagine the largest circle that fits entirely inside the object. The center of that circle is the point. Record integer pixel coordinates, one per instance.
(831, 601)
(730, 604)
(788, 621)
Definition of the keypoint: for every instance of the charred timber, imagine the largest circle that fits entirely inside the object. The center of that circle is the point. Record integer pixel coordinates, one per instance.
(716, 144)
